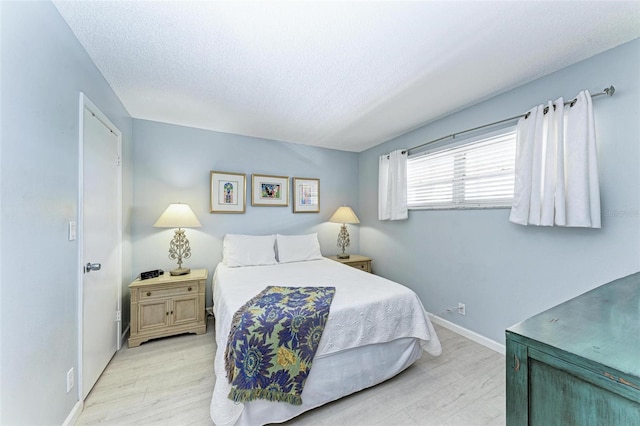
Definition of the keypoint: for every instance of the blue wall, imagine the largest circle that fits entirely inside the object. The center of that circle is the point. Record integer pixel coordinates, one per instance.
(503, 272)
(44, 69)
(172, 164)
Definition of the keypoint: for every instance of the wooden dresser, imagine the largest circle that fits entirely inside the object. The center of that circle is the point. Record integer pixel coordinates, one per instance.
(355, 261)
(579, 362)
(168, 305)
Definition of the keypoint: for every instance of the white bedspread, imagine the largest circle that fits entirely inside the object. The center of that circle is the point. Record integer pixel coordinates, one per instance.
(367, 309)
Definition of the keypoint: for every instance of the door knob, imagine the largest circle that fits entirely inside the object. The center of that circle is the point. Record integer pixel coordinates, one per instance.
(92, 267)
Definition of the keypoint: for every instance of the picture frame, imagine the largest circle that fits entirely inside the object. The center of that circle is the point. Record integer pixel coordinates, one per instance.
(228, 192)
(269, 191)
(306, 195)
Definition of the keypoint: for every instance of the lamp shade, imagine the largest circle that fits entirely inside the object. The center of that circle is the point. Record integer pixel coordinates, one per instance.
(177, 216)
(344, 214)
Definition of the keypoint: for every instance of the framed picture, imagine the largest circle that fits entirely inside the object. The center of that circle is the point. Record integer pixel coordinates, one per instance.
(270, 191)
(228, 192)
(306, 195)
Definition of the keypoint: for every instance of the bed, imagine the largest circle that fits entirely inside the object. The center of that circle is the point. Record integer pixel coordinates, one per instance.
(376, 328)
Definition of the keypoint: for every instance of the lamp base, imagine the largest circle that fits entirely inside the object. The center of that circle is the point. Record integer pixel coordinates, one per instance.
(180, 271)
(343, 256)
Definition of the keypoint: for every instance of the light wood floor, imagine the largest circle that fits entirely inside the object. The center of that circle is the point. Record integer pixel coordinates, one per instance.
(170, 382)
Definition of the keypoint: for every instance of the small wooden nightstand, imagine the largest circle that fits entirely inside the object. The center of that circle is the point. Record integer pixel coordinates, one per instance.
(355, 260)
(168, 305)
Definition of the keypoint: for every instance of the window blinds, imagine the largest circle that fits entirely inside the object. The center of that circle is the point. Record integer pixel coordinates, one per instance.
(478, 174)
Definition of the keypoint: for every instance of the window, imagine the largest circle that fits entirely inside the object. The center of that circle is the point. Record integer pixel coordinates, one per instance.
(477, 173)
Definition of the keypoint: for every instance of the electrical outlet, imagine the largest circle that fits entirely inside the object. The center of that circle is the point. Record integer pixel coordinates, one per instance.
(70, 380)
(462, 310)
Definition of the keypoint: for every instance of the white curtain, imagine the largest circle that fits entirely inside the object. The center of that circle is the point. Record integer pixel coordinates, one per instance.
(392, 186)
(556, 166)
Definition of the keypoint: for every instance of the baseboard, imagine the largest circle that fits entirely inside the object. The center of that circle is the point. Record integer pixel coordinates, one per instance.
(74, 415)
(471, 335)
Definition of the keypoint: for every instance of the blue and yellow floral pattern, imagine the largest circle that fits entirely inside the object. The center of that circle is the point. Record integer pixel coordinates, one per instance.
(273, 340)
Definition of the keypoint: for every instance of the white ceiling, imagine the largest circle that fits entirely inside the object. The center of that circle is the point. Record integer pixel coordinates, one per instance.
(344, 75)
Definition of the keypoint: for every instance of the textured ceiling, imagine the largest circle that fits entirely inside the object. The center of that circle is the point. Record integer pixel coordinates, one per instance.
(344, 75)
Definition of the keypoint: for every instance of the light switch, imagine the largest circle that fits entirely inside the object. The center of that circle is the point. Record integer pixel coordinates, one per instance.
(73, 227)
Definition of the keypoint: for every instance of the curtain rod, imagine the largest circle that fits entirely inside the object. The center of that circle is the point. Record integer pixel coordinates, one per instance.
(609, 91)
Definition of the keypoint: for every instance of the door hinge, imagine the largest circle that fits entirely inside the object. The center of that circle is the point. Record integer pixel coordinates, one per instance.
(118, 161)
(118, 316)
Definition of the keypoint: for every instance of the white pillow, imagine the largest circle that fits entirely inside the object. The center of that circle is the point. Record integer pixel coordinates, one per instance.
(248, 250)
(297, 248)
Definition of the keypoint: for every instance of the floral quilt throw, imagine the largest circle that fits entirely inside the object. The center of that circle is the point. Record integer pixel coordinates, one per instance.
(272, 342)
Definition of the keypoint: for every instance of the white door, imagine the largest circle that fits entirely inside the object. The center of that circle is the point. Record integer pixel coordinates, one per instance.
(101, 239)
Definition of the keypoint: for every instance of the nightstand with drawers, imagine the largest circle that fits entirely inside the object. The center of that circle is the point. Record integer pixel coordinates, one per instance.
(355, 261)
(168, 305)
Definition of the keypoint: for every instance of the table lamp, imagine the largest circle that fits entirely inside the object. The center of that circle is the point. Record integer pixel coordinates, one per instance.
(178, 216)
(344, 215)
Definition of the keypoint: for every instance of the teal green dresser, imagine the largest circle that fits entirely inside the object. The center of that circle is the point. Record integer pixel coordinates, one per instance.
(579, 362)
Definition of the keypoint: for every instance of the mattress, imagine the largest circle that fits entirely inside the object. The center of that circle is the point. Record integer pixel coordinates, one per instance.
(376, 329)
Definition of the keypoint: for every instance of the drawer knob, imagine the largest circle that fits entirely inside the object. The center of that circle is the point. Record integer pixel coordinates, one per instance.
(189, 289)
(148, 293)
